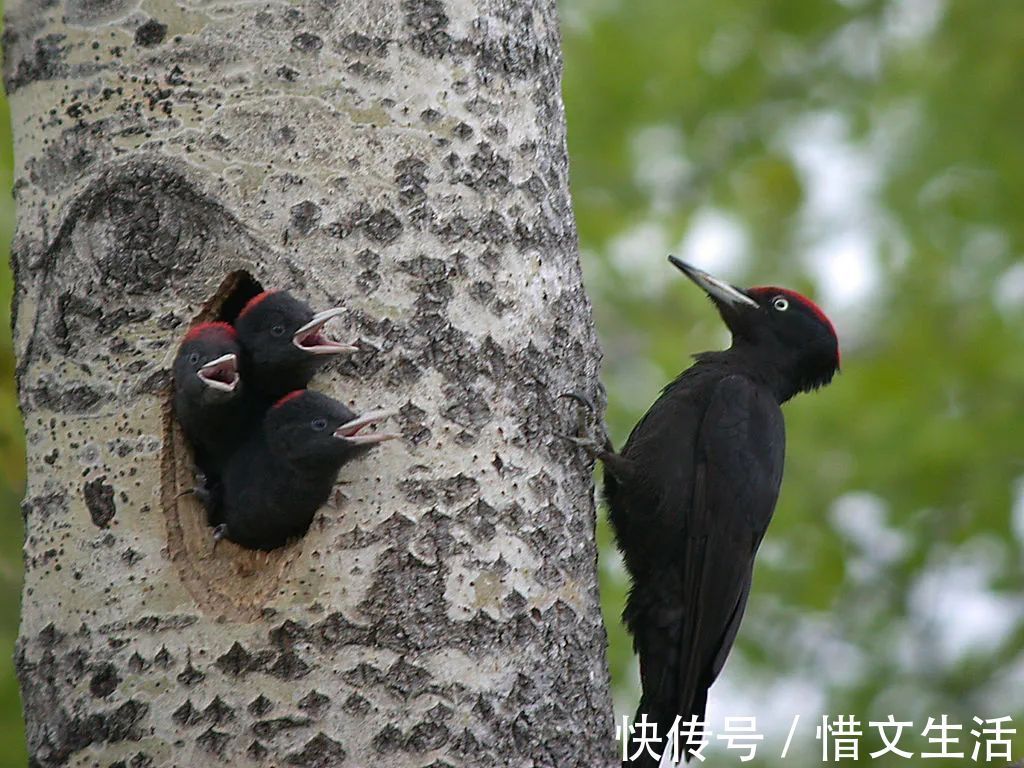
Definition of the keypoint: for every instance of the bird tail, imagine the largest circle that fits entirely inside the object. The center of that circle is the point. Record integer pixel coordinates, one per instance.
(657, 630)
(665, 715)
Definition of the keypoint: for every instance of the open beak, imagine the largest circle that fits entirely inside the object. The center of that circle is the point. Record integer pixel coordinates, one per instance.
(220, 374)
(350, 430)
(310, 338)
(719, 290)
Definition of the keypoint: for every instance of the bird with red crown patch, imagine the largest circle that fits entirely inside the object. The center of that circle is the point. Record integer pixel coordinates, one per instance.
(283, 343)
(280, 477)
(692, 491)
(209, 404)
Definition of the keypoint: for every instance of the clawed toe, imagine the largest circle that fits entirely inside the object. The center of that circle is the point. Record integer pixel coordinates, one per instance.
(590, 445)
(219, 532)
(581, 399)
(595, 443)
(581, 440)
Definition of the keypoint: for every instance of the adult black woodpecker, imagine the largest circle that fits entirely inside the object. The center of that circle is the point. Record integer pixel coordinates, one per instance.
(283, 344)
(693, 490)
(283, 474)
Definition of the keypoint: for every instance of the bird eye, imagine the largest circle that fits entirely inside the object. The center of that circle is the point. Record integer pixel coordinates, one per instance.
(319, 425)
(193, 358)
(780, 303)
(277, 330)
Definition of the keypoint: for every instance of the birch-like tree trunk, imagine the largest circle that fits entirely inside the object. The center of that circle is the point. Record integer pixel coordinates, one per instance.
(405, 159)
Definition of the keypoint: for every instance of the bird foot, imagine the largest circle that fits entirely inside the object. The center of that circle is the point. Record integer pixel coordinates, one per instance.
(219, 532)
(591, 438)
(201, 489)
(592, 446)
(203, 494)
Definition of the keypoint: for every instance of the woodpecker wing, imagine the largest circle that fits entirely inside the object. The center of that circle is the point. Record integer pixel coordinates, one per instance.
(738, 471)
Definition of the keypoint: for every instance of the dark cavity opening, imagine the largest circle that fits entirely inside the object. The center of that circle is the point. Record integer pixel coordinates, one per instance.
(234, 293)
(232, 582)
(227, 302)
(225, 305)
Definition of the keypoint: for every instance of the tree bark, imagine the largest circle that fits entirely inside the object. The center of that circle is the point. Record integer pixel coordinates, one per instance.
(406, 160)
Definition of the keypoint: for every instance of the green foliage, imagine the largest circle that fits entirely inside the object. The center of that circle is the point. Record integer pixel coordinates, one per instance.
(12, 477)
(676, 109)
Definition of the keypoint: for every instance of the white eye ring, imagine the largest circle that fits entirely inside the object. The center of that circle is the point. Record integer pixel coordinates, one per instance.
(780, 303)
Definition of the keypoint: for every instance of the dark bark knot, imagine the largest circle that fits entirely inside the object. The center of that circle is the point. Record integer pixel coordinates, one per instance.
(151, 33)
(148, 224)
(99, 499)
(44, 61)
(104, 681)
(307, 42)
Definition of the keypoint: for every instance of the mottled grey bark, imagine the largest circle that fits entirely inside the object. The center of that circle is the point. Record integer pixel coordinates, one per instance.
(406, 160)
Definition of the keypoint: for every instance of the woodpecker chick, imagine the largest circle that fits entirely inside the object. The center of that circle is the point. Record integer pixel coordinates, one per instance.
(283, 474)
(691, 493)
(207, 393)
(283, 343)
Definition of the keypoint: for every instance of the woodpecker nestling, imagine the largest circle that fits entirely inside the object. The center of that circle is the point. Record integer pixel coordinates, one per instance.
(283, 474)
(283, 343)
(207, 393)
(693, 490)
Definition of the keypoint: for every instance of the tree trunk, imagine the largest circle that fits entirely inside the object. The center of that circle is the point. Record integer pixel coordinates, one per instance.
(405, 160)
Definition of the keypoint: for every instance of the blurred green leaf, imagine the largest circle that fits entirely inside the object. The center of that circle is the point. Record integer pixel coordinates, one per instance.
(894, 124)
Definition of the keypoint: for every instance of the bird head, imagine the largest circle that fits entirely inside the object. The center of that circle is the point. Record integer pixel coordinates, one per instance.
(276, 329)
(207, 362)
(779, 327)
(311, 430)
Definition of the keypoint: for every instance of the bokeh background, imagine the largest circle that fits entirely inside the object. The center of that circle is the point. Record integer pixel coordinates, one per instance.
(869, 153)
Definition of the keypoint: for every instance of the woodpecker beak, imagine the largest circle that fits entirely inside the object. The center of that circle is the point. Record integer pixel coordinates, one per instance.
(310, 339)
(220, 374)
(350, 430)
(719, 290)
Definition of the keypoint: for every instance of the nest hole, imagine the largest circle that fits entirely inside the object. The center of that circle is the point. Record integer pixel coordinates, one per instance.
(229, 580)
(227, 303)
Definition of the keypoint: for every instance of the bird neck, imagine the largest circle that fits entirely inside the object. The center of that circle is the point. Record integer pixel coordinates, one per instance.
(303, 460)
(315, 465)
(769, 371)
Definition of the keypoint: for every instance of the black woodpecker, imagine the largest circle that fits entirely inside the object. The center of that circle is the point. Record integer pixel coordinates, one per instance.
(693, 490)
(283, 474)
(208, 401)
(283, 344)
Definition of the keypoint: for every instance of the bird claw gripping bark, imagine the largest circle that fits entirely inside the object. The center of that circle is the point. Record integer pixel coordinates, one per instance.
(219, 532)
(596, 443)
(337, 497)
(200, 486)
(201, 490)
(208, 493)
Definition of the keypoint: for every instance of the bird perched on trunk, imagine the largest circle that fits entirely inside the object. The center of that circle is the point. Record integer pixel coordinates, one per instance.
(283, 474)
(283, 344)
(693, 490)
